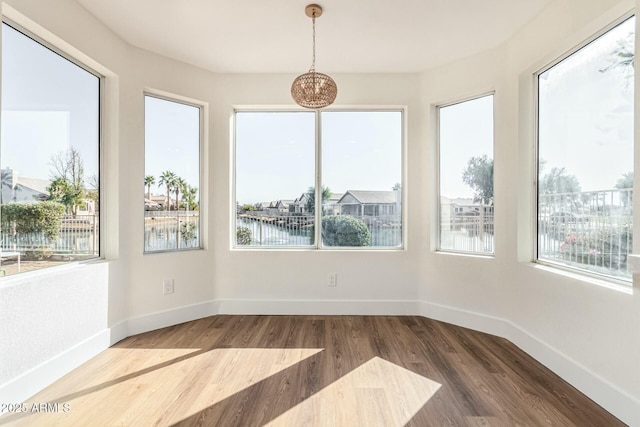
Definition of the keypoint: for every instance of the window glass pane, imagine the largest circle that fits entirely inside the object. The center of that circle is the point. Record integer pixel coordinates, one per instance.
(585, 163)
(466, 176)
(362, 178)
(49, 157)
(172, 175)
(275, 175)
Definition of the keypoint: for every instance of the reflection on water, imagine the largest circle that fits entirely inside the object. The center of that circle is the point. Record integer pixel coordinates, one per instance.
(284, 230)
(266, 234)
(162, 232)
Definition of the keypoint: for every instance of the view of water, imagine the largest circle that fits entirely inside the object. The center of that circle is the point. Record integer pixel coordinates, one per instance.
(266, 234)
(162, 233)
(273, 235)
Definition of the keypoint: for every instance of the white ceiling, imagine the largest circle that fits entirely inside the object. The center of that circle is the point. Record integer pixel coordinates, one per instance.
(375, 36)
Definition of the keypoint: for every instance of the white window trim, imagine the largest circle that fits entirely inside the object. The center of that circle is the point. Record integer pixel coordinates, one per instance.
(48, 40)
(202, 110)
(317, 246)
(576, 272)
(437, 214)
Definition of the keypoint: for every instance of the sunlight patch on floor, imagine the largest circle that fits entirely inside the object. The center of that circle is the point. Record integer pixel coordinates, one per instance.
(110, 367)
(377, 393)
(162, 392)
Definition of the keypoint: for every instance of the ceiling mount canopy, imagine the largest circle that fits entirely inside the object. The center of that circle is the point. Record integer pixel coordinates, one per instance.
(313, 89)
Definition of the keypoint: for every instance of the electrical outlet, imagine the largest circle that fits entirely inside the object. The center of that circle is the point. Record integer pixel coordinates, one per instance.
(332, 279)
(167, 286)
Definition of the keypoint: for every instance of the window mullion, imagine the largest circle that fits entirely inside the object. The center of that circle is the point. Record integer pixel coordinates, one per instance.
(318, 183)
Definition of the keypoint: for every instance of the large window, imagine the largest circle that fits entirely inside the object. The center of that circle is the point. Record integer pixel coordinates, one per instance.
(466, 176)
(49, 157)
(282, 194)
(172, 175)
(275, 178)
(585, 156)
(362, 178)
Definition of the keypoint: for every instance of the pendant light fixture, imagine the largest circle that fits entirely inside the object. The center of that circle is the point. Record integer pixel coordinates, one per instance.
(312, 89)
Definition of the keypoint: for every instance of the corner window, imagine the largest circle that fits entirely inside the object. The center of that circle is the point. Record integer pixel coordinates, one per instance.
(466, 176)
(585, 156)
(284, 200)
(172, 175)
(49, 160)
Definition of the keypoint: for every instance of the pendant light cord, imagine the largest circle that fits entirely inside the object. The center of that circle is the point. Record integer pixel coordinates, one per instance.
(313, 62)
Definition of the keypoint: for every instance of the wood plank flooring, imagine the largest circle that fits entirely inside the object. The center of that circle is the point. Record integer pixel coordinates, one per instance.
(312, 371)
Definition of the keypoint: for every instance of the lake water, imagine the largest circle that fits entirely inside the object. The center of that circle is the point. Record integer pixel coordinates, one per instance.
(273, 235)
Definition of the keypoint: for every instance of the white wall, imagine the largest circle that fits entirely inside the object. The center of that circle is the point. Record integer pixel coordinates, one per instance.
(47, 315)
(50, 321)
(599, 328)
(571, 321)
(587, 333)
(301, 275)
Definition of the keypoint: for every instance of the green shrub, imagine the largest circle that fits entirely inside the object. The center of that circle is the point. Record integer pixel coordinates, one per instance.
(243, 236)
(39, 254)
(188, 231)
(606, 248)
(344, 230)
(25, 218)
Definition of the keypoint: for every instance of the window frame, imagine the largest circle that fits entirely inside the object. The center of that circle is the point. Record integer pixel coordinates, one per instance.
(201, 106)
(438, 153)
(575, 48)
(101, 132)
(317, 245)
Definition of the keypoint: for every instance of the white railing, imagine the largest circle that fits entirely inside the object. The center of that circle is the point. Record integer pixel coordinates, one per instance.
(79, 235)
(171, 230)
(588, 230)
(470, 231)
(275, 229)
(386, 230)
(290, 229)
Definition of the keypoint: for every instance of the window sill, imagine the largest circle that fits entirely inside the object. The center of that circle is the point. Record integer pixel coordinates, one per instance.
(633, 263)
(315, 249)
(584, 278)
(466, 254)
(173, 251)
(20, 278)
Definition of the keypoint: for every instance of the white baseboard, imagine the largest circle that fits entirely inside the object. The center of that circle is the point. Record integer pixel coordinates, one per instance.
(318, 307)
(118, 332)
(162, 319)
(604, 393)
(29, 383)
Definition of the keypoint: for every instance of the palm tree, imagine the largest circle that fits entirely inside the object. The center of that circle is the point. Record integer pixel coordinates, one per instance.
(168, 179)
(311, 198)
(179, 185)
(7, 181)
(625, 185)
(189, 195)
(149, 180)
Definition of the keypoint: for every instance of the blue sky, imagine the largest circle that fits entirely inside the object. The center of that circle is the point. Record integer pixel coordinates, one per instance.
(275, 153)
(466, 130)
(586, 126)
(48, 105)
(172, 141)
(586, 115)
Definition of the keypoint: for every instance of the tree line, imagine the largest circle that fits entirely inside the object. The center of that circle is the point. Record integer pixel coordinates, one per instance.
(69, 188)
(68, 185)
(177, 185)
(479, 176)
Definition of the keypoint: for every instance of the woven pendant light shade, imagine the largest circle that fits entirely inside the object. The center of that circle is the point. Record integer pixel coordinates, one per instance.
(314, 90)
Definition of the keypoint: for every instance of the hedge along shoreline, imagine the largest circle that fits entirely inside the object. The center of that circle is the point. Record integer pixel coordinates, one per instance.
(24, 218)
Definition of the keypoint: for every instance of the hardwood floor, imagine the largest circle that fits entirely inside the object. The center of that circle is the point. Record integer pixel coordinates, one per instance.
(312, 371)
